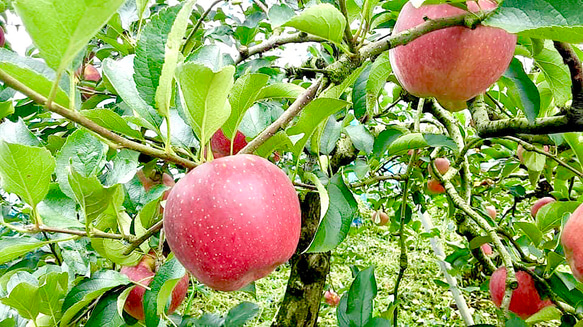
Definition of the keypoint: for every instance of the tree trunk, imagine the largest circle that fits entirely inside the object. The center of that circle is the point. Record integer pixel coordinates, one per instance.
(303, 295)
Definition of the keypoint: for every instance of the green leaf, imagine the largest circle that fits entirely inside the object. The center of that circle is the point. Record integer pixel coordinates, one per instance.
(550, 215)
(361, 138)
(385, 139)
(279, 14)
(62, 28)
(6, 109)
(243, 95)
(24, 298)
(151, 52)
(542, 19)
(336, 91)
(105, 313)
(575, 141)
(545, 314)
(529, 96)
(322, 20)
(280, 90)
(278, 141)
(360, 297)
(34, 74)
(124, 166)
(120, 75)
(114, 251)
(322, 192)
(330, 135)
(336, 223)
(556, 74)
(87, 155)
(359, 93)
(12, 248)
(205, 97)
(171, 57)
(58, 210)
(109, 119)
(88, 290)
(530, 229)
(156, 297)
(54, 286)
(377, 78)
(239, 315)
(310, 117)
(17, 133)
(26, 171)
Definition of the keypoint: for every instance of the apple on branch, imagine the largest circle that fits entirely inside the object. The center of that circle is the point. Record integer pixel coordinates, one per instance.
(221, 145)
(233, 220)
(453, 64)
(331, 298)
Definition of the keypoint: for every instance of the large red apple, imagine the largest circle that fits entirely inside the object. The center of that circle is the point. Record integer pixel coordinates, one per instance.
(143, 274)
(525, 300)
(573, 242)
(221, 145)
(539, 204)
(233, 220)
(453, 64)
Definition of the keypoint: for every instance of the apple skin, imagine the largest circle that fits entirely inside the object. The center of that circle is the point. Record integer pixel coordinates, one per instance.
(435, 187)
(571, 241)
(90, 73)
(491, 210)
(331, 298)
(380, 218)
(442, 165)
(148, 183)
(525, 300)
(221, 145)
(487, 249)
(143, 273)
(539, 204)
(233, 220)
(453, 64)
(2, 37)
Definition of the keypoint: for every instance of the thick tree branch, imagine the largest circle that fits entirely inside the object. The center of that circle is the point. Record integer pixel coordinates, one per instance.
(284, 119)
(274, 42)
(76, 117)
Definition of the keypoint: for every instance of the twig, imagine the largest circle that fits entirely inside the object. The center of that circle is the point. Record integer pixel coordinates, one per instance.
(91, 125)
(31, 229)
(284, 119)
(274, 42)
(306, 186)
(376, 179)
(261, 6)
(151, 231)
(347, 32)
(189, 44)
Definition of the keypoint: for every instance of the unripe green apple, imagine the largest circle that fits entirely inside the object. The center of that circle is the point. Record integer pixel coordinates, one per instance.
(233, 220)
(453, 64)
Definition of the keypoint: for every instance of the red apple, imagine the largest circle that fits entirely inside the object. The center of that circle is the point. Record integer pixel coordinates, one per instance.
(90, 73)
(435, 187)
(148, 182)
(487, 249)
(143, 274)
(525, 300)
(453, 64)
(221, 145)
(539, 204)
(331, 298)
(442, 165)
(573, 242)
(491, 211)
(380, 218)
(2, 37)
(233, 220)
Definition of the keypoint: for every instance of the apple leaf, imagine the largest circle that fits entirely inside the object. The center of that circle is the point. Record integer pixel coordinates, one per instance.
(62, 28)
(12, 248)
(105, 313)
(114, 251)
(243, 95)
(549, 216)
(336, 223)
(34, 74)
(120, 75)
(542, 19)
(171, 58)
(322, 20)
(575, 141)
(278, 141)
(279, 14)
(336, 91)
(124, 166)
(58, 210)
(26, 171)
(556, 73)
(156, 297)
(330, 135)
(529, 97)
(310, 117)
(377, 78)
(280, 90)
(419, 141)
(385, 139)
(24, 298)
(530, 229)
(17, 133)
(359, 93)
(86, 154)
(111, 120)
(239, 315)
(362, 292)
(151, 52)
(204, 93)
(6, 109)
(88, 290)
(360, 137)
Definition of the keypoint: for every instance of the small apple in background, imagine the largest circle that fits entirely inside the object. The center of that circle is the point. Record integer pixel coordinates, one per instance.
(149, 181)
(539, 204)
(221, 145)
(233, 220)
(525, 300)
(520, 153)
(453, 64)
(143, 273)
(90, 73)
(380, 218)
(572, 241)
(435, 187)
(331, 298)
(487, 249)
(491, 210)
(442, 165)
(2, 37)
